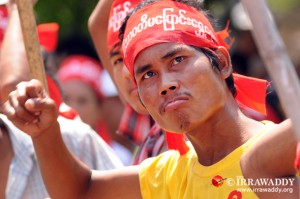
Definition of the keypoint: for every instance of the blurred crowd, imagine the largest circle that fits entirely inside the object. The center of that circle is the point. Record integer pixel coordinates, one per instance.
(85, 92)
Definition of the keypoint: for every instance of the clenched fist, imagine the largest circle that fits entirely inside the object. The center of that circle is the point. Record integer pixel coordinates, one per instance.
(30, 109)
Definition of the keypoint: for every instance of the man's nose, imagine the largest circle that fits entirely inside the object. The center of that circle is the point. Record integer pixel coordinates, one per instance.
(168, 85)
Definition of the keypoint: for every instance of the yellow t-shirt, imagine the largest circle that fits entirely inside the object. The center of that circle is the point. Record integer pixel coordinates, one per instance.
(170, 175)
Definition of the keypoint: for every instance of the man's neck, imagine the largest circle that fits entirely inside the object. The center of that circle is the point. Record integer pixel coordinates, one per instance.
(217, 137)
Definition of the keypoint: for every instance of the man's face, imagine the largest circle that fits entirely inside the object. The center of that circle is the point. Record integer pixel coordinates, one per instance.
(125, 84)
(178, 86)
(84, 100)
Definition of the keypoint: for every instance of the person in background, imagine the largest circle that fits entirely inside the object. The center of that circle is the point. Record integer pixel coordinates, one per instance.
(82, 80)
(113, 108)
(20, 175)
(79, 77)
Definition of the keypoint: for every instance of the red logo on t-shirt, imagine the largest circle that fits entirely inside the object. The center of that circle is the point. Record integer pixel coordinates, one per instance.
(235, 195)
(218, 181)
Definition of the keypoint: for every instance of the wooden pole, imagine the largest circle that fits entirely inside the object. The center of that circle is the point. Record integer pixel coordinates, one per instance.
(31, 42)
(276, 59)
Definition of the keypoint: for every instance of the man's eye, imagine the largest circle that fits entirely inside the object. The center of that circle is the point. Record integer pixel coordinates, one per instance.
(148, 75)
(177, 60)
(118, 61)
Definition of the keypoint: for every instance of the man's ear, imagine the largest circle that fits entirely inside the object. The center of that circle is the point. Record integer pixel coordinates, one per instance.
(224, 57)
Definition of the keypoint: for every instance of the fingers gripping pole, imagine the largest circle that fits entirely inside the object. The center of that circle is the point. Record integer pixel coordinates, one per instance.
(276, 59)
(31, 42)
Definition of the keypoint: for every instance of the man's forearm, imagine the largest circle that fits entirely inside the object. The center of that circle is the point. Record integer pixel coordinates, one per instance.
(64, 175)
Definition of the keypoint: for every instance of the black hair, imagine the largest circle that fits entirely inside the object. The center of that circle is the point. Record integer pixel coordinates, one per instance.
(215, 62)
(209, 53)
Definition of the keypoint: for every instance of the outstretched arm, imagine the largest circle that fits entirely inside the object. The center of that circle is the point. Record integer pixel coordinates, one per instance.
(65, 177)
(272, 157)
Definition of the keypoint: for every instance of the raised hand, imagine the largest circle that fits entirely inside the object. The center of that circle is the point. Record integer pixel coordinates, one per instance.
(30, 109)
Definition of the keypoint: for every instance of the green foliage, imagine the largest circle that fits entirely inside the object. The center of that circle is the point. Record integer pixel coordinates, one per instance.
(283, 6)
(72, 15)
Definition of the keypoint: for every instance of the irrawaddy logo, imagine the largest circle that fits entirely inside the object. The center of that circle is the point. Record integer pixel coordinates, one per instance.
(218, 181)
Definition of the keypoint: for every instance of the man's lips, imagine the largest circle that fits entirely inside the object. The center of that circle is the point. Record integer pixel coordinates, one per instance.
(174, 102)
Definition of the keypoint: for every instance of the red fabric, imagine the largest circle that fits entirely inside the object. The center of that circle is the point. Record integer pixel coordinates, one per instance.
(68, 112)
(297, 160)
(83, 68)
(251, 92)
(223, 36)
(55, 94)
(48, 36)
(152, 146)
(134, 126)
(54, 91)
(47, 32)
(118, 11)
(177, 141)
(104, 133)
(3, 21)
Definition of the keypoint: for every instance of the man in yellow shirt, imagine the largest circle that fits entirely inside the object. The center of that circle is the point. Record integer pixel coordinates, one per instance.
(184, 78)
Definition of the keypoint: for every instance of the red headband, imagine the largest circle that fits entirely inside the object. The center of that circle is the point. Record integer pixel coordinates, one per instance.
(83, 68)
(169, 21)
(118, 12)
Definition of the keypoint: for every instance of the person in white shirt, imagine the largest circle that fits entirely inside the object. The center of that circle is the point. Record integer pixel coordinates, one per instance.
(23, 174)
